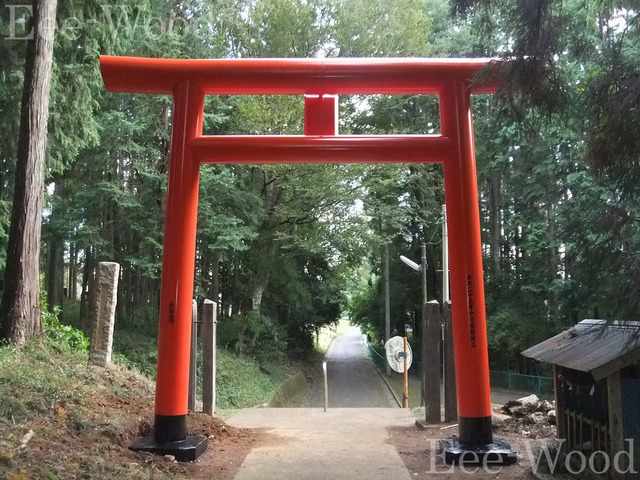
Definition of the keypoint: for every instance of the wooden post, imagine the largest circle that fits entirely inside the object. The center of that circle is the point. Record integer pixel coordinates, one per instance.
(559, 393)
(194, 354)
(210, 318)
(450, 400)
(424, 347)
(431, 361)
(616, 432)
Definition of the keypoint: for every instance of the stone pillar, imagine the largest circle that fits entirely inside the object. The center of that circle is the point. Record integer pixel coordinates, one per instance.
(103, 315)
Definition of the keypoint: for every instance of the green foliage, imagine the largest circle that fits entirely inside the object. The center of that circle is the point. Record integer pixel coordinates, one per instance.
(557, 155)
(375, 28)
(242, 380)
(65, 336)
(136, 351)
(253, 335)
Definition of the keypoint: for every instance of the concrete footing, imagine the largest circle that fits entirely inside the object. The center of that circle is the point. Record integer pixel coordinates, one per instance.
(186, 450)
(497, 453)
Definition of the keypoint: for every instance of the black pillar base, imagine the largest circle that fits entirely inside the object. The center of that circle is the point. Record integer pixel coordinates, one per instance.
(475, 430)
(499, 452)
(170, 438)
(186, 450)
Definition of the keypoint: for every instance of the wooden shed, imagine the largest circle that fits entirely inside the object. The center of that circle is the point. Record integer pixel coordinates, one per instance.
(596, 366)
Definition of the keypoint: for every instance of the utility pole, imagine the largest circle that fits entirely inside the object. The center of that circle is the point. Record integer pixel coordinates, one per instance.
(423, 320)
(423, 269)
(445, 257)
(448, 369)
(387, 307)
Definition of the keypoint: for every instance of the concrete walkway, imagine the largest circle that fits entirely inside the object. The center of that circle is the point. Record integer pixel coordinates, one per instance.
(341, 443)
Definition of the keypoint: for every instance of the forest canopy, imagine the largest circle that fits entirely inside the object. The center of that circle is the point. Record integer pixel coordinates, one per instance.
(289, 248)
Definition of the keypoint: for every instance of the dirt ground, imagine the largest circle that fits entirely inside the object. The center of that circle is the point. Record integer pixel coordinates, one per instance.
(91, 441)
(419, 450)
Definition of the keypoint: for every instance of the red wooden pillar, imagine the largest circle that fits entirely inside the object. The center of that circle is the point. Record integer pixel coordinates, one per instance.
(174, 331)
(467, 286)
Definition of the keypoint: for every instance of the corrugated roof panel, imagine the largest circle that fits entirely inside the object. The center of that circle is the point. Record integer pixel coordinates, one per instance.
(590, 346)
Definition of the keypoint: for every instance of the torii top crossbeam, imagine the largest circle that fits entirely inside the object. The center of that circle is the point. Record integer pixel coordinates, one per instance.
(320, 80)
(334, 76)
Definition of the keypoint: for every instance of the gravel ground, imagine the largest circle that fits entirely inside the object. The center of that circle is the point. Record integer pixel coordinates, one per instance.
(353, 380)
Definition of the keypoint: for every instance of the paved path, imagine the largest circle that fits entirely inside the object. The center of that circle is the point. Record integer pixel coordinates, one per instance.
(339, 444)
(353, 380)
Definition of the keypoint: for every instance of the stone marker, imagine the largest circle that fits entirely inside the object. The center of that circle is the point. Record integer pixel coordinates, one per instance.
(104, 313)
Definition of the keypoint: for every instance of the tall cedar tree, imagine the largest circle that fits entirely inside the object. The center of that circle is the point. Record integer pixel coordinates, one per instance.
(20, 314)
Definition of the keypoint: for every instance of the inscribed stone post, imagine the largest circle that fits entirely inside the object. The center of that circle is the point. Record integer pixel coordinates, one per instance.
(104, 312)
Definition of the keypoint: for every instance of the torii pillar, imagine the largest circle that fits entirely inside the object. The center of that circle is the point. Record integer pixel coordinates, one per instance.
(321, 80)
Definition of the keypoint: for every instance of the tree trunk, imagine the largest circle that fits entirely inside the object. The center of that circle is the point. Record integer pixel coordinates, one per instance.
(53, 241)
(87, 286)
(72, 293)
(256, 295)
(55, 272)
(20, 314)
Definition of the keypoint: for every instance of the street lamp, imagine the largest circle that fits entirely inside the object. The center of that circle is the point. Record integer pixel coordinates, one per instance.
(411, 263)
(419, 268)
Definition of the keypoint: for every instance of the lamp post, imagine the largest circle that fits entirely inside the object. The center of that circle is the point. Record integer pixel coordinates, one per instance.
(422, 268)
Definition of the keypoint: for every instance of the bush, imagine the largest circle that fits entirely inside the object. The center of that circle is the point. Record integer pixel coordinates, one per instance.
(64, 336)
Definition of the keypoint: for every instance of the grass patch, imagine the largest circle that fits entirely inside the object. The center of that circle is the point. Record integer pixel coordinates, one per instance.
(242, 383)
(61, 417)
(36, 378)
(396, 382)
(55, 409)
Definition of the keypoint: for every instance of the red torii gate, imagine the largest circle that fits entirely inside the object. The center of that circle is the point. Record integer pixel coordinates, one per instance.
(320, 80)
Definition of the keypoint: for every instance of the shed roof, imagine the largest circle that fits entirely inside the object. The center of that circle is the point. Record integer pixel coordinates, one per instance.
(598, 347)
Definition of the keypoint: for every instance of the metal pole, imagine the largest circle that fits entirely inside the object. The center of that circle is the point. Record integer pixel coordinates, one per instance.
(445, 302)
(405, 398)
(326, 386)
